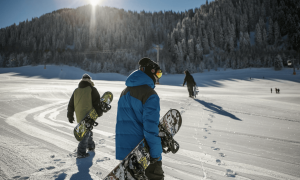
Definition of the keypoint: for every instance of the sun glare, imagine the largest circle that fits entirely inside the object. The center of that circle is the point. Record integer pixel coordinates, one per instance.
(94, 2)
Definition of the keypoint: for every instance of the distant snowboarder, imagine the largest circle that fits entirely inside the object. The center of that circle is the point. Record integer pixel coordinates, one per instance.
(83, 99)
(189, 80)
(271, 90)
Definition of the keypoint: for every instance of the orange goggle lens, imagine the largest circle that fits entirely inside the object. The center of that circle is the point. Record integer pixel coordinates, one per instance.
(159, 73)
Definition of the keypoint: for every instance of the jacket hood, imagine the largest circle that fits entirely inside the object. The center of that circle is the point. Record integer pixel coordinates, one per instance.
(138, 78)
(85, 82)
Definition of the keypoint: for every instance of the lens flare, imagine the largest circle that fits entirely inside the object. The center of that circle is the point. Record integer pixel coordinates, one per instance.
(94, 2)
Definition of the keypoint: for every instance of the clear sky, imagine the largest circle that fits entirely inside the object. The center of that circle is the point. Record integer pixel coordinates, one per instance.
(15, 11)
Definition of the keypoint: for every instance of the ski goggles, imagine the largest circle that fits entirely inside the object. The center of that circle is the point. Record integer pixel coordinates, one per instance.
(158, 73)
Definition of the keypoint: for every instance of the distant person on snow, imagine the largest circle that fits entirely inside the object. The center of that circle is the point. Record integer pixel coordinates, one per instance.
(138, 116)
(190, 82)
(271, 90)
(84, 98)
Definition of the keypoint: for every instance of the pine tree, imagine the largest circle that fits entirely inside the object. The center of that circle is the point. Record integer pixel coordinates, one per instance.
(264, 37)
(270, 32)
(278, 64)
(191, 50)
(201, 67)
(211, 39)
(258, 36)
(205, 43)
(276, 32)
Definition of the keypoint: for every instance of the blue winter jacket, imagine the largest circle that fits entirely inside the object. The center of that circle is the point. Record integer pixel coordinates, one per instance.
(138, 116)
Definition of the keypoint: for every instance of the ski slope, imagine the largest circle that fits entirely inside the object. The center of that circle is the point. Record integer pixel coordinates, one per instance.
(235, 129)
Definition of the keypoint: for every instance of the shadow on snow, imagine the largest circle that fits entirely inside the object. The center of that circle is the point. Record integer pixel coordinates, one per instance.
(84, 165)
(217, 109)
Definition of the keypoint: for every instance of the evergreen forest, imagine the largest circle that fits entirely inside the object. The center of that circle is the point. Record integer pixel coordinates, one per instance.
(223, 34)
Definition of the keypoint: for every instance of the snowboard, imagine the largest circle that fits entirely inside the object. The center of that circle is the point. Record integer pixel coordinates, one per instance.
(196, 91)
(89, 120)
(135, 163)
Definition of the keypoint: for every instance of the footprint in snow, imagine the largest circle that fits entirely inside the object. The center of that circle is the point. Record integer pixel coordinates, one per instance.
(230, 173)
(52, 156)
(218, 161)
(215, 142)
(41, 169)
(216, 149)
(103, 159)
(222, 154)
(101, 141)
(20, 178)
(50, 167)
(204, 137)
(57, 159)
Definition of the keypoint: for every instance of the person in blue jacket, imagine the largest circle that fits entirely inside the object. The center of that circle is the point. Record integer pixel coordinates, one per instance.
(138, 116)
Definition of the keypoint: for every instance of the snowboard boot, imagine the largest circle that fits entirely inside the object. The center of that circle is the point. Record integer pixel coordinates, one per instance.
(83, 155)
(91, 149)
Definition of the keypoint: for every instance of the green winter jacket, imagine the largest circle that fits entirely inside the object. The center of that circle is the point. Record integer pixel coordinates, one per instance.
(84, 98)
(82, 102)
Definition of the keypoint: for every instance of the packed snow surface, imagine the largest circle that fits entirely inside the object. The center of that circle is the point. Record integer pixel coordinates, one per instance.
(234, 129)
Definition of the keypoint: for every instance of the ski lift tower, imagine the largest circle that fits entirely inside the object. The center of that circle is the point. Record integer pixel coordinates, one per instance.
(157, 48)
(294, 73)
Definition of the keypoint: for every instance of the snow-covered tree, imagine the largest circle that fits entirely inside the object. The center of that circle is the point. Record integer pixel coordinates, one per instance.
(278, 64)
(271, 32)
(258, 36)
(201, 67)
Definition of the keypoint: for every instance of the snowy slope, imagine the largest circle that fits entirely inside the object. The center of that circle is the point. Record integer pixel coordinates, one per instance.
(236, 128)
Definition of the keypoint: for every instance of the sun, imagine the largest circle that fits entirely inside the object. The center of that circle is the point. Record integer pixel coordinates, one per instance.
(94, 2)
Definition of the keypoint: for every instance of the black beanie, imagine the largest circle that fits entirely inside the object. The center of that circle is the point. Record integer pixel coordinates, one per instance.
(146, 65)
(86, 76)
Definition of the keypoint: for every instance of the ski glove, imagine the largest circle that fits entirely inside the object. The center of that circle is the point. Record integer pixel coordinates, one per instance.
(153, 160)
(71, 120)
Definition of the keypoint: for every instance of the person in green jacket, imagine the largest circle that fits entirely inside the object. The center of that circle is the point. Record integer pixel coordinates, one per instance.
(84, 98)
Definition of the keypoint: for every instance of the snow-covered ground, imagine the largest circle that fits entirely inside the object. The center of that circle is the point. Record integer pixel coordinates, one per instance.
(235, 129)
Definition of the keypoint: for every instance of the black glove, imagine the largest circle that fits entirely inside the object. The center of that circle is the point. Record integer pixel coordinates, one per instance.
(153, 160)
(71, 120)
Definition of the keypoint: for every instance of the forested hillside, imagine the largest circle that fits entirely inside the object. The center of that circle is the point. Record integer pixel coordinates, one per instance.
(224, 33)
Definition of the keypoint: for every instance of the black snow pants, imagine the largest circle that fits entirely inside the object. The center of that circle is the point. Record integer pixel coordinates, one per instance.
(86, 142)
(191, 90)
(155, 171)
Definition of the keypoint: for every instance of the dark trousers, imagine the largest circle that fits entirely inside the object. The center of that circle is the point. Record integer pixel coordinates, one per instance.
(155, 171)
(86, 142)
(191, 91)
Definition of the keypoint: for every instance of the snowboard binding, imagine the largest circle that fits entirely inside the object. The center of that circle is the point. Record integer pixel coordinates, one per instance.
(135, 169)
(90, 123)
(167, 141)
(105, 107)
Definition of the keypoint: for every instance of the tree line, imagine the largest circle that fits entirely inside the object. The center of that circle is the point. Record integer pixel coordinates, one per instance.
(224, 33)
